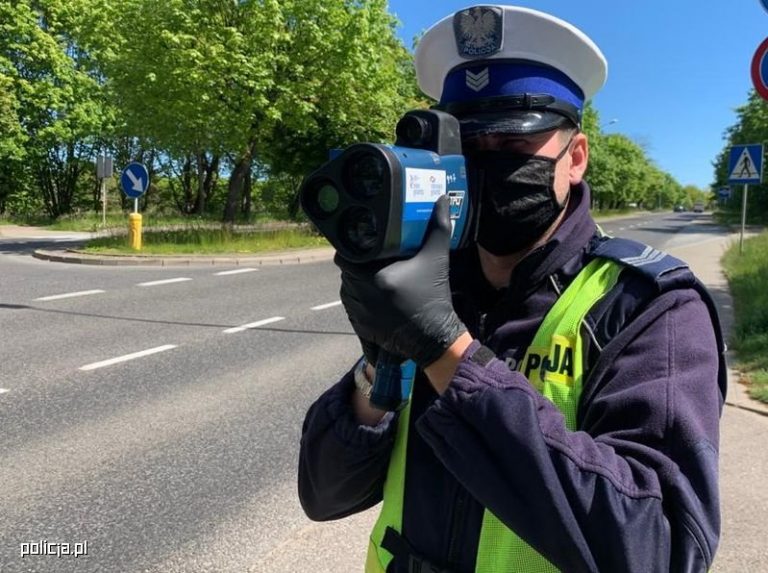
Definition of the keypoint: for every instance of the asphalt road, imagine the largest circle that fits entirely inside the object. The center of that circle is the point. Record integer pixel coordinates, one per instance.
(159, 421)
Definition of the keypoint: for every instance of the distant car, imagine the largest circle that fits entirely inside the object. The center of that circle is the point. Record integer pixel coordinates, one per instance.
(679, 209)
(698, 208)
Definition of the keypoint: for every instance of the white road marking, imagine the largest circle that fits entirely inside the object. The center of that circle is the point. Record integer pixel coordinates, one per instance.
(235, 272)
(621, 229)
(254, 325)
(69, 295)
(164, 282)
(127, 357)
(4, 390)
(324, 306)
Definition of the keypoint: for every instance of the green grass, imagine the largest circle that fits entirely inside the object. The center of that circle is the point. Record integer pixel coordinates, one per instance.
(91, 222)
(748, 276)
(205, 241)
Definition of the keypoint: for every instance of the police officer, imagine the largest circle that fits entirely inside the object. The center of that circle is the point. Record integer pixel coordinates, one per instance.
(566, 409)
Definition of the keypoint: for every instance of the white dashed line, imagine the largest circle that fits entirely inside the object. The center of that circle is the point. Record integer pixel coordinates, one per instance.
(4, 390)
(235, 272)
(69, 295)
(127, 357)
(164, 282)
(254, 325)
(621, 229)
(324, 306)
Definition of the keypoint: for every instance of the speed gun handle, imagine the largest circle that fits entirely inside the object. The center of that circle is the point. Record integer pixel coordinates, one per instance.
(387, 391)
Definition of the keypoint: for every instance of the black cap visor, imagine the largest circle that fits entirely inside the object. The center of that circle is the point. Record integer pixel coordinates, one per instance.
(512, 122)
(521, 114)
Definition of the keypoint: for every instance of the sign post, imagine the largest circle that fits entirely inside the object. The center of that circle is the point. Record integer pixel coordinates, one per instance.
(134, 180)
(104, 170)
(745, 166)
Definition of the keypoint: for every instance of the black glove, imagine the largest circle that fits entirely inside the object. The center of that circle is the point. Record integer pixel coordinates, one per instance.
(405, 307)
(370, 351)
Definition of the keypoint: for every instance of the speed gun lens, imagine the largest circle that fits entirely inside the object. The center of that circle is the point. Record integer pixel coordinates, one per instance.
(366, 175)
(328, 198)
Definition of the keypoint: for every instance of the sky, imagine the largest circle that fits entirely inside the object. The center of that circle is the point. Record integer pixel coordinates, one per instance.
(677, 69)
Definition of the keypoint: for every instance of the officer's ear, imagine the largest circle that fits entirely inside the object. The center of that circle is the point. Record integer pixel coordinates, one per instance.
(579, 158)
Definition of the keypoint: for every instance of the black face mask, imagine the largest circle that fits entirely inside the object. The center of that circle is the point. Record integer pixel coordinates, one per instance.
(517, 198)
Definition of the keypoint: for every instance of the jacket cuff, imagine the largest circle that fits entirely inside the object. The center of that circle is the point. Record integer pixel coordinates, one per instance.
(478, 371)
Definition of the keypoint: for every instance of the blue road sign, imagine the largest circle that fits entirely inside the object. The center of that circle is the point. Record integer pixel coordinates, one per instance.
(746, 164)
(134, 180)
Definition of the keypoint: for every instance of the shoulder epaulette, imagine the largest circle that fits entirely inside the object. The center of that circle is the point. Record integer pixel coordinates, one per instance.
(658, 266)
(666, 273)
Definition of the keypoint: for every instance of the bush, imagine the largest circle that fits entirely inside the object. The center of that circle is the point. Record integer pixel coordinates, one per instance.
(747, 275)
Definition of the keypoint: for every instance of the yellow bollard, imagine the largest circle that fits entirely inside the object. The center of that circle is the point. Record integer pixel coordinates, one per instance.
(134, 231)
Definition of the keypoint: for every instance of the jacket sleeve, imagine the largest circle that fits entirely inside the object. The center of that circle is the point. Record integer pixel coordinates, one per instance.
(342, 464)
(636, 488)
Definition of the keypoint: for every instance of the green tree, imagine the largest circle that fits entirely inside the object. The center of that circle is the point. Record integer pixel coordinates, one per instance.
(751, 126)
(253, 83)
(55, 100)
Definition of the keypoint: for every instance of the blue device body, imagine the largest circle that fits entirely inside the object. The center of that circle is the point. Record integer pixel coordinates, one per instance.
(425, 176)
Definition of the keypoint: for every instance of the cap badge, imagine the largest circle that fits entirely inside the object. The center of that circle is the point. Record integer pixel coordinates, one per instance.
(478, 81)
(478, 31)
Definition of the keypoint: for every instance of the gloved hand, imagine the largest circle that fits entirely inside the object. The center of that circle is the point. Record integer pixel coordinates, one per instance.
(370, 351)
(405, 307)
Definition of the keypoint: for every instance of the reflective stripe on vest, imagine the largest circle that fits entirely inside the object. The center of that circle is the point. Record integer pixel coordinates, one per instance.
(553, 365)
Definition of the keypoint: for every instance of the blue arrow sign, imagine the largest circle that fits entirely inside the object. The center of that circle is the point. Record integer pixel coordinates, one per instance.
(134, 180)
(746, 164)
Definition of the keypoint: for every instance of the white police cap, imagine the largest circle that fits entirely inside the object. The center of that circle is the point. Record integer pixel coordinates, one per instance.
(509, 69)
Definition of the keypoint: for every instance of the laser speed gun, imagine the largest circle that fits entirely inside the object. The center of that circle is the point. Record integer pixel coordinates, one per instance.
(374, 202)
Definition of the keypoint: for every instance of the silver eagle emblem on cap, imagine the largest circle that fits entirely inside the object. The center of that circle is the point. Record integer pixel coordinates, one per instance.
(478, 31)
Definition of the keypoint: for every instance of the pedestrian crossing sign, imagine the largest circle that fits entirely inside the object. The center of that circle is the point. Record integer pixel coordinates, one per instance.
(746, 164)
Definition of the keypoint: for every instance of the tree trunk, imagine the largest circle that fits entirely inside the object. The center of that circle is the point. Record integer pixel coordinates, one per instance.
(211, 176)
(247, 201)
(202, 160)
(236, 181)
(186, 185)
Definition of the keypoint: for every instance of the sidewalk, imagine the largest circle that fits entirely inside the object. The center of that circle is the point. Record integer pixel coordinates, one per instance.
(21, 232)
(704, 259)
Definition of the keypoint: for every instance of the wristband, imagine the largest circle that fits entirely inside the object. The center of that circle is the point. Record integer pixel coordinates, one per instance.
(363, 384)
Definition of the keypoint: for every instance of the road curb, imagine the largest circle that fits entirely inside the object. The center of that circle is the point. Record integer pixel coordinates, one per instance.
(283, 258)
(748, 408)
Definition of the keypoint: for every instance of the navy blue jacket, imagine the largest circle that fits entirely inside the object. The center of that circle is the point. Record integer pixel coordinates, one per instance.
(634, 489)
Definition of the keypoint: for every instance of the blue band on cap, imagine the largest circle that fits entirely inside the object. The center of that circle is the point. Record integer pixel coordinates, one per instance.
(507, 78)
